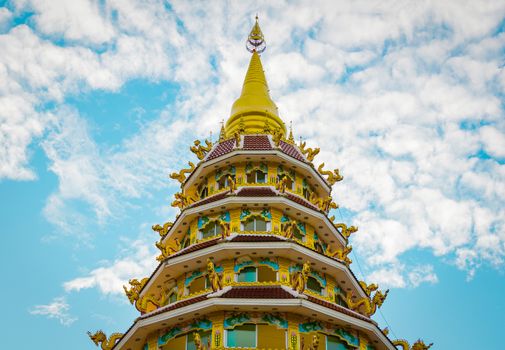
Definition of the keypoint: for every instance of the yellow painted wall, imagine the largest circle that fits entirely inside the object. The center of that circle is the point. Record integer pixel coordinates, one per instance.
(270, 337)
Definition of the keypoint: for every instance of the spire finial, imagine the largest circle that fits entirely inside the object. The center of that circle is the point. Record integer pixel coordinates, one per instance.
(222, 133)
(256, 40)
(291, 139)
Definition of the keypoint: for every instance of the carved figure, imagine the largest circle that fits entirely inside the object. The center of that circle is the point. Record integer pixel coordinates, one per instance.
(231, 184)
(366, 305)
(315, 343)
(418, 345)
(236, 135)
(214, 278)
(198, 341)
(182, 200)
(324, 204)
(282, 184)
(309, 153)
(333, 176)
(226, 230)
(341, 254)
(368, 288)
(344, 230)
(163, 231)
(289, 229)
(141, 304)
(181, 175)
(300, 279)
(200, 150)
(277, 137)
(100, 338)
(166, 250)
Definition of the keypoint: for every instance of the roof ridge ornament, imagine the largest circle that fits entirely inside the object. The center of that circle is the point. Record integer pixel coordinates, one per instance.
(256, 40)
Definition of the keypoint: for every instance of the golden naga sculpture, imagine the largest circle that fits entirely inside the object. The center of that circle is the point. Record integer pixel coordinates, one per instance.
(163, 231)
(200, 150)
(366, 305)
(368, 288)
(100, 338)
(341, 254)
(167, 250)
(214, 278)
(181, 175)
(289, 229)
(282, 184)
(300, 278)
(236, 135)
(309, 153)
(182, 200)
(141, 304)
(418, 345)
(324, 204)
(232, 186)
(344, 230)
(333, 176)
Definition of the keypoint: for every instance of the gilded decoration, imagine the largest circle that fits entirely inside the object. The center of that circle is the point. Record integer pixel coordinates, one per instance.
(341, 254)
(162, 230)
(167, 248)
(214, 278)
(333, 176)
(195, 325)
(309, 153)
(418, 345)
(349, 337)
(200, 150)
(299, 278)
(181, 175)
(345, 231)
(367, 305)
(100, 339)
(147, 302)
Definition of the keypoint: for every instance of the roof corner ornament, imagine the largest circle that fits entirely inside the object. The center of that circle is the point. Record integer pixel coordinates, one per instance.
(256, 40)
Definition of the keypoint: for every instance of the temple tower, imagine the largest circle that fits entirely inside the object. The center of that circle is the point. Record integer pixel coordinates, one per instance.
(253, 260)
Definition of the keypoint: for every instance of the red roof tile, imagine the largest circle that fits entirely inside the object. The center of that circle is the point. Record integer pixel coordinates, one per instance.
(174, 306)
(256, 192)
(210, 199)
(256, 238)
(222, 148)
(195, 247)
(257, 142)
(301, 201)
(338, 308)
(291, 150)
(260, 292)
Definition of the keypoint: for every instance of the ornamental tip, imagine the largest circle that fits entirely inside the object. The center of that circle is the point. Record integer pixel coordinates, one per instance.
(256, 40)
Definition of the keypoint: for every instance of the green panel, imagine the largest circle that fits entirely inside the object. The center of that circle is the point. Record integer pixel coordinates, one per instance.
(333, 343)
(247, 274)
(242, 336)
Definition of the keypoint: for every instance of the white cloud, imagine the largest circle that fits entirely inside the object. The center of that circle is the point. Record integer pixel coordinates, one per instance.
(57, 309)
(138, 261)
(400, 96)
(401, 276)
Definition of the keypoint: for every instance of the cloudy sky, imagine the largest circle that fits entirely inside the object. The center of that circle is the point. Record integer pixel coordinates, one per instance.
(99, 101)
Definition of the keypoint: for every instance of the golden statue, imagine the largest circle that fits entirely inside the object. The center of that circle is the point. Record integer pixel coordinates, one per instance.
(136, 286)
(236, 135)
(198, 341)
(300, 278)
(181, 176)
(225, 229)
(289, 229)
(315, 343)
(418, 345)
(324, 204)
(100, 338)
(200, 150)
(231, 184)
(368, 288)
(341, 254)
(344, 230)
(277, 137)
(141, 304)
(309, 153)
(163, 231)
(166, 250)
(333, 177)
(214, 278)
(368, 306)
(282, 185)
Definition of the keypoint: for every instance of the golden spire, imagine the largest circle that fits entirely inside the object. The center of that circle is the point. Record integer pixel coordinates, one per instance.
(254, 107)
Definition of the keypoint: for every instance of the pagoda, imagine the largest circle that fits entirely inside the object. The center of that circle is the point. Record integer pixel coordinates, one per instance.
(253, 261)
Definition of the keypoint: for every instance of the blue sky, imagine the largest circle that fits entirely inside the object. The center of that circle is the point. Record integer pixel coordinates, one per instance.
(100, 100)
